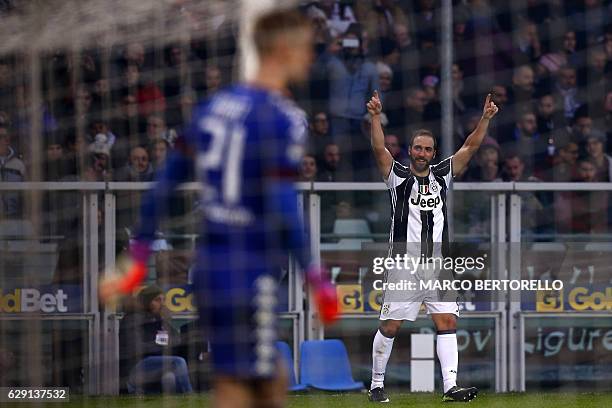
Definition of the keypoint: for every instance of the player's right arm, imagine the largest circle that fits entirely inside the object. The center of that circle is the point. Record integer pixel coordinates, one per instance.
(384, 160)
(177, 169)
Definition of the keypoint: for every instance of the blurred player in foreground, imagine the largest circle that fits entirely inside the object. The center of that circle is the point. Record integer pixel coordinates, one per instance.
(245, 144)
(419, 229)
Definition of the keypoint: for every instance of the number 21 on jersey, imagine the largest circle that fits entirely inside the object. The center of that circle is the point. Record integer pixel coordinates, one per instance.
(224, 154)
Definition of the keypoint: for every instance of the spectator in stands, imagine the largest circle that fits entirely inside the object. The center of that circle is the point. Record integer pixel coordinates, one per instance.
(392, 143)
(526, 140)
(564, 169)
(582, 126)
(463, 43)
(528, 48)
(54, 167)
(589, 17)
(589, 208)
(499, 94)
(459, 97)
(566, 154)
(430, 86)
(178, 114)
(474, 209)
(533, 216)
(595, 147)
(97, 126)
(391, 96)
(332, 168)
(427, 22)
(319, 135)
(597, 74)
(389, 53)
(98, 163)
(138, 168)
(522, 90)
(567, 89)
(12, 169)
(352, 79)
(128, 123)
(504, 122)
(412, 115)
(514, 169)
(570, 49)
(548, 115)
(379, 16)
(150, 99)
(213, 79)
(362, 151)
(158, 152)
(385, 78)
(147, 339)
(134, 53)
(149, 96)
(549, 63)
(157, 129)
(83, 101)
(465, 126)
(177, 70)
(408, 72)
(308, 168)
(338, 15)
(487, 162)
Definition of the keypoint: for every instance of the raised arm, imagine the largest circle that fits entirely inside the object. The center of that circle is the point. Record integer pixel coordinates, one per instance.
(384, 160)
(473, 141)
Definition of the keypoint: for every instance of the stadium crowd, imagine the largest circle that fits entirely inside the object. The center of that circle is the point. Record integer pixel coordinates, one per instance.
(113, 115)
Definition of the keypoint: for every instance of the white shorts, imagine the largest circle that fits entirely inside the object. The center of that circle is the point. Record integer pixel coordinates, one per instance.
(406, 304)
(410, 310)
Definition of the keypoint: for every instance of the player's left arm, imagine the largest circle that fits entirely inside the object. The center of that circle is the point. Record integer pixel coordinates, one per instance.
(284, 216)
(462, 157)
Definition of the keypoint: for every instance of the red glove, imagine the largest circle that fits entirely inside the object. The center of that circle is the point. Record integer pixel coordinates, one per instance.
(137, 271)
(324, 294)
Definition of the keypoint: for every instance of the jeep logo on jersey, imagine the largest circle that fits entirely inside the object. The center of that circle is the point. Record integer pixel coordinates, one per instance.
(426, 203)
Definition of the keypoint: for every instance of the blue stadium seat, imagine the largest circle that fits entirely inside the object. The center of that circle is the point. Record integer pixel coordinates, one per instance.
(285, 352)
(324, 364)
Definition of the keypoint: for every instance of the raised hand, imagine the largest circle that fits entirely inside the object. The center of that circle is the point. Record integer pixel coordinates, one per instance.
(374, 105)
(490, 109)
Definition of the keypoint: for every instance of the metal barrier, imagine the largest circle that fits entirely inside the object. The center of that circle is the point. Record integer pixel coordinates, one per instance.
(505, 227)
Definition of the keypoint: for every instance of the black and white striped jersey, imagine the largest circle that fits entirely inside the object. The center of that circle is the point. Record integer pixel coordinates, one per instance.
(419, 225)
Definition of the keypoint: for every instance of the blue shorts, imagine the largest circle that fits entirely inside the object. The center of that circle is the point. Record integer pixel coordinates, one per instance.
(238, 316)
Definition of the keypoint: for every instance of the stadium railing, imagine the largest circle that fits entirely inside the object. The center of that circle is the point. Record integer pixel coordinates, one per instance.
(510, 321)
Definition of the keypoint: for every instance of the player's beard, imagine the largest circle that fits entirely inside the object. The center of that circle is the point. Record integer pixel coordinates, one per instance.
(418, 165)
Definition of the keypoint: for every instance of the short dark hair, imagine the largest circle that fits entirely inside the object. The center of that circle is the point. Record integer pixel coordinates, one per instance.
(423, 132)
(586, 159)
(275, 24)
(513, 155)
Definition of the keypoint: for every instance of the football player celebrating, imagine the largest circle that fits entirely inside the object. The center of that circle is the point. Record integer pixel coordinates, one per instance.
(419, 228)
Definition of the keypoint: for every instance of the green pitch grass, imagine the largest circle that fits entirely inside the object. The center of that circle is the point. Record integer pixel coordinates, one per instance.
(350, 400)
